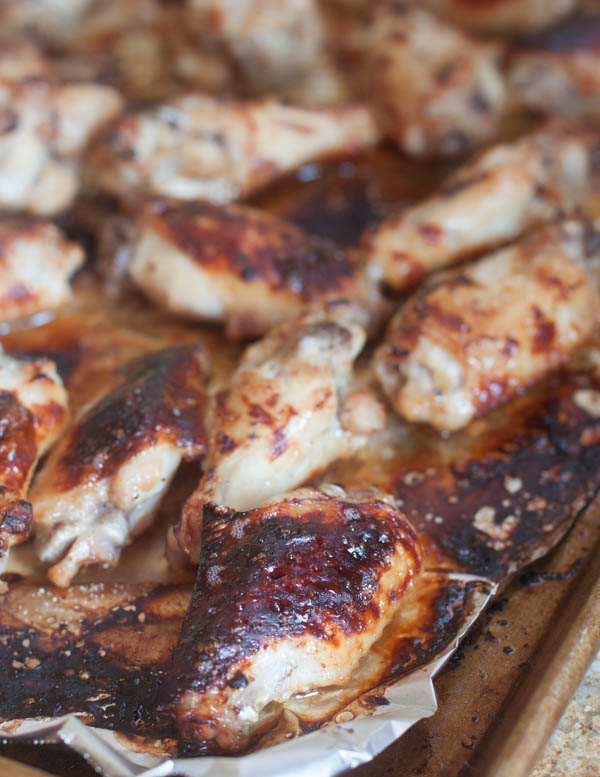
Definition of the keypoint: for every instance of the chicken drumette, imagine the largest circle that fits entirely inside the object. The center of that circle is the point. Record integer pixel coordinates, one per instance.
(474, 337)
(505, 191)
(281, 419)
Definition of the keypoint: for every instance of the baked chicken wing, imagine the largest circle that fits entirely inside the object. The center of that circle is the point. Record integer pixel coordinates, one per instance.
(436, 90)
(33, 412)
(288, 598)
(505, 191)
(36, 262)
(198, 147)
(558, 71)
(45, 126)
(270, 41)
(241, 266)
(474, 337)
(280, 419)
(103, 482)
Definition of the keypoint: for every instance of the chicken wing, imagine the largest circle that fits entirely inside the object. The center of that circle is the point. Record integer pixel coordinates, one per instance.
(242, 266)
(36, 262)
(103, 482)
(476, 336)
(33, 412)
(270, 41)
(558, 71)
(436, 90)
(502, 16)
(197, 147)
(288, 598)
(505, 191)
(44, 127)
(279, 420)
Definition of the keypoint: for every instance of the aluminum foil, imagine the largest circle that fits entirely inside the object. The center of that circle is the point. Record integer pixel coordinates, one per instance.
(336, 747)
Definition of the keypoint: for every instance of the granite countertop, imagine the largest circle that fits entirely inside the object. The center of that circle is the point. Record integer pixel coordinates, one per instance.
(574, 749)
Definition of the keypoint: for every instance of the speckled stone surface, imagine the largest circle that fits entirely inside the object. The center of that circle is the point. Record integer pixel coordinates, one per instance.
(574, 749)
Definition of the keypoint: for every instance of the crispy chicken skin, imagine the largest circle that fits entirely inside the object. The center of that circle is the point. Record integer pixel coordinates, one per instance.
(279, 420)
(477, 335)
(502, 16)
(288, 598)
(558, 71)
(36, 262)
(270, 41)
(198, 147)
(44, 128)
(505, 191)
(241, 266)
(33, 412)
(103, 482)
(436, 90)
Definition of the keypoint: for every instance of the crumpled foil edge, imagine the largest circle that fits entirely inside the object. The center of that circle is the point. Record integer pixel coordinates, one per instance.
(322, 753)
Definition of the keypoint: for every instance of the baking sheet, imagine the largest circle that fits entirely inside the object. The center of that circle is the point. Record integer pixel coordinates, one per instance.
(362, 734)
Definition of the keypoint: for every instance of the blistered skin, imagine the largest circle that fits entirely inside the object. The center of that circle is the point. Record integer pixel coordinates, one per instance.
(36, 262)
(288, 598)
(505, 191)
(279, 420)
(198, 147)
(33, 412)
(436, 90)
(502, 16)
(558, 71)
(241, 266)
(271, 41)
(474, 337)
(44, 129)
(104, 481)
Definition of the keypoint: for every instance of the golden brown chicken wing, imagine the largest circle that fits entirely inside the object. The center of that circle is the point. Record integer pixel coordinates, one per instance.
(198, 147)
(104, 481)
(36, 262)
(288, 598)
(436, 90)
(280, 419)
(241, 266)
(474, 337)
(557, 71)
(505, 191)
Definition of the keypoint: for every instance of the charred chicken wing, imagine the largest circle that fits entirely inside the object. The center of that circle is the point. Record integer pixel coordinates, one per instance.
(33, 412)
(474, 337)
(288, 598)
(197, 147)
(240, 265)
(507, 190)
(279, 421)
(103, 482)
